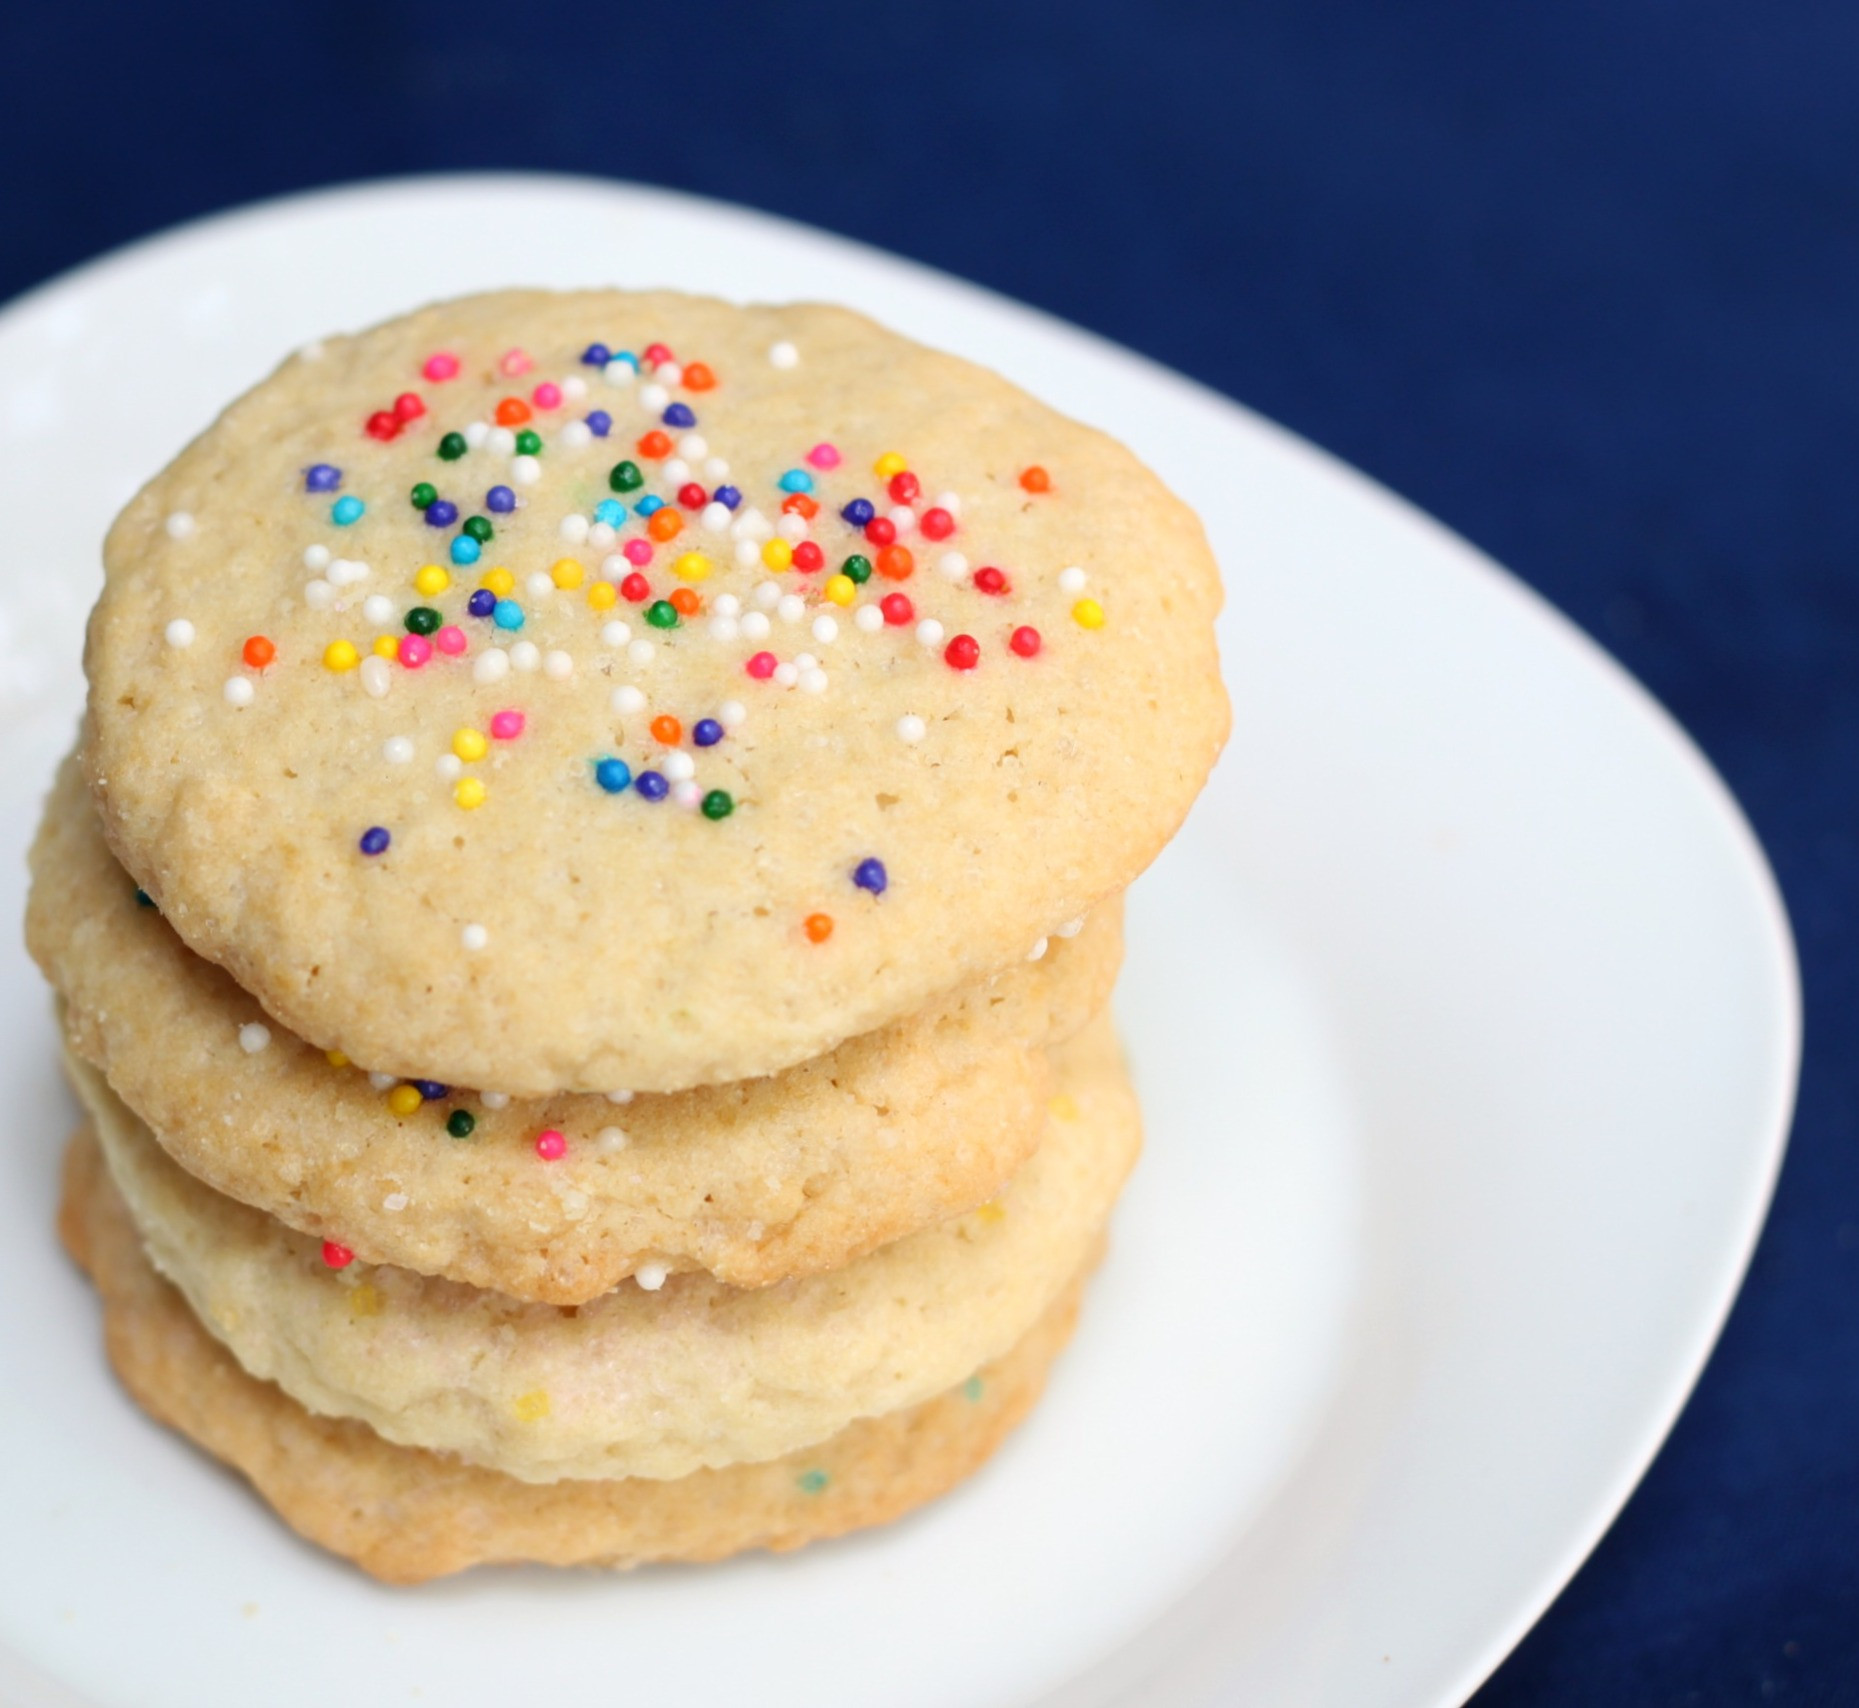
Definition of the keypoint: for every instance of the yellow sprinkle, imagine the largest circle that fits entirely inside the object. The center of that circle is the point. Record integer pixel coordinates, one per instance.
(1064, 1106)
(694, 566)
(533, 1406)
(365, 1300)
(990, 1213)
(842, 589)
(603, 595)
(889, 464)
(777, 553)
(469, 744)
(431, 579)
(404, 1099)
(499, 580)
(385, 646)
(469, 793)
(335, 1058)
(1088, 614)
(567, 574)
(340, 655)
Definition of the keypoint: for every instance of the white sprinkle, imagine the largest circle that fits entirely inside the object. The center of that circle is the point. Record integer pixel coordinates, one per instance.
(394, 1203)
(731, 714)
(610, 1140)
(382, 1081)
(748, 554)
(714, 518)
(651, 1276)
(903, 518)
(450, 767)
(574, 435)
(538, 584)
(180, 525)
(474, 937)
(318, 594)
(575, 387)
(1070, 928)
(1037, 951)
(494, 1099)
(674, 471)
(491, 665)
(641, 652)
(768, 594)
(525, 471)
(573, 529)
(751, 525)
(398, 749)
(825, 629)
(653, 396)
(254, 1037)
(687, 794)
(601, 535)
(627, 700)
(525, 655)
(619, 373)
(755, 626)
(727, 605)
(869, 618)
(316, 557)
(679, 766)
(669, 373)
(238, 691)
(180, 632)
(953, 565)
(619, 1097)
(558, 666)
(723, 628)
(342, 572)
(615, 634)
(911, 729)
(476, 432)
(790, 608)
(792, 527)
(784, 355)
(615, 568)
(376, 676)
(813, 681)
(1072, 580)
(500, 442)
(804, 661)
(929, 632)
(378, 608)
(950, 501)
(786, 675)
(716, 469)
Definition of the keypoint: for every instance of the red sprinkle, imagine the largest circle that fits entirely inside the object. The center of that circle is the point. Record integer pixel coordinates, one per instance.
(1025, 642)
(897, 609)
(337, 1256)
(657, 353)
(636, 588)
(761, 666)
(550, 1145)
(881, 531)
(409, 406)
(384, 425)
(692, 496)
(809, 557)
(904, 487)
(937, 523)
(989, 580)
(962, 653)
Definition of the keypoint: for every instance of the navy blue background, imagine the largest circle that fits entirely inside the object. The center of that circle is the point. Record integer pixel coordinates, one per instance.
(1581, 279)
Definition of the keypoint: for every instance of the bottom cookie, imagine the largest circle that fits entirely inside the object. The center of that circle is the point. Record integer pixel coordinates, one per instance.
(405, 1515)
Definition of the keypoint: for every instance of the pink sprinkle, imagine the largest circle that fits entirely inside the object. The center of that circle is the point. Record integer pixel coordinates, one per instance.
(441, 366)
(548, 395)
(450, 640)
(506, 726)
(638, 552)
(824, 456)
(514, 362)
(414, 650)
(761, 666)
(550, 1145)
(657, 353)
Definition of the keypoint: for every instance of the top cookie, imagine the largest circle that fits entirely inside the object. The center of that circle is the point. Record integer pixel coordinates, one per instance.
(609, 692)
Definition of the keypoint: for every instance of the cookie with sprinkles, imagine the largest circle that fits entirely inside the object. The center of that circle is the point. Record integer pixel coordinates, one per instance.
(755, 1183)
(576, 691)
(404, 1515)
(657, 1384)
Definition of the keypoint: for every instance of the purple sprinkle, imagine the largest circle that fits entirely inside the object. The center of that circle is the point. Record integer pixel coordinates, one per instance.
(500, 499)
(441, 513)
(321, 477)
(374, 840)
(599, 423)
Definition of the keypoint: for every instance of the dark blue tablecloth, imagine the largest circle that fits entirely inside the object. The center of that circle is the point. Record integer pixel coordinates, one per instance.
(1582, 279)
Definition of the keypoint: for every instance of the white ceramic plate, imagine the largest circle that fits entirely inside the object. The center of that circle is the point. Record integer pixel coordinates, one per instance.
(1464, 1013)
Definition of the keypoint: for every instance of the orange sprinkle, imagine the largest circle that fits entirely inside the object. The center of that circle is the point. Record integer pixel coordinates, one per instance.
(686, 601)
(512, 412)
(896, 564)
(665, 524)
(799, 504)
(698, 377)
(667, 731)
(655, 444)
(1035, 479)
(819, 927)
(258, 652)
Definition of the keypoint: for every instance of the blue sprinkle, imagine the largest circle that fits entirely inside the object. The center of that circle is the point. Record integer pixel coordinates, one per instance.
(706, 732)
(322, 477)
(869, 874)
(727, 496)
(859, 512)
(482, 603)
(508, 612)
(648, 504)
(375, 840)
(614, 774)
(628, 358)
(596, 356)
(599, 423)
(466, 550)
(501, 499)
(611, 511)
(346, 510)
(796, 480)
(679, 415)
(430, 1089)
(652, 786)
(441, 513)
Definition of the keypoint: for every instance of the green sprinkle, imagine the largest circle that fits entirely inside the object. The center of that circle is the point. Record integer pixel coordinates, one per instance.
(662, 614)
(461, 1123)
(856, 568)
(528, 442)
(811, 1482)
(971, 1389)
(625, 477)
(717, 804)
(478, 529)
(453, 446)
(423, 620)
(424, 495)
(144, 899)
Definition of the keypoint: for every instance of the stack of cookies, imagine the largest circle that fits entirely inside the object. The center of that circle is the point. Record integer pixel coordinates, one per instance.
(583, 914)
